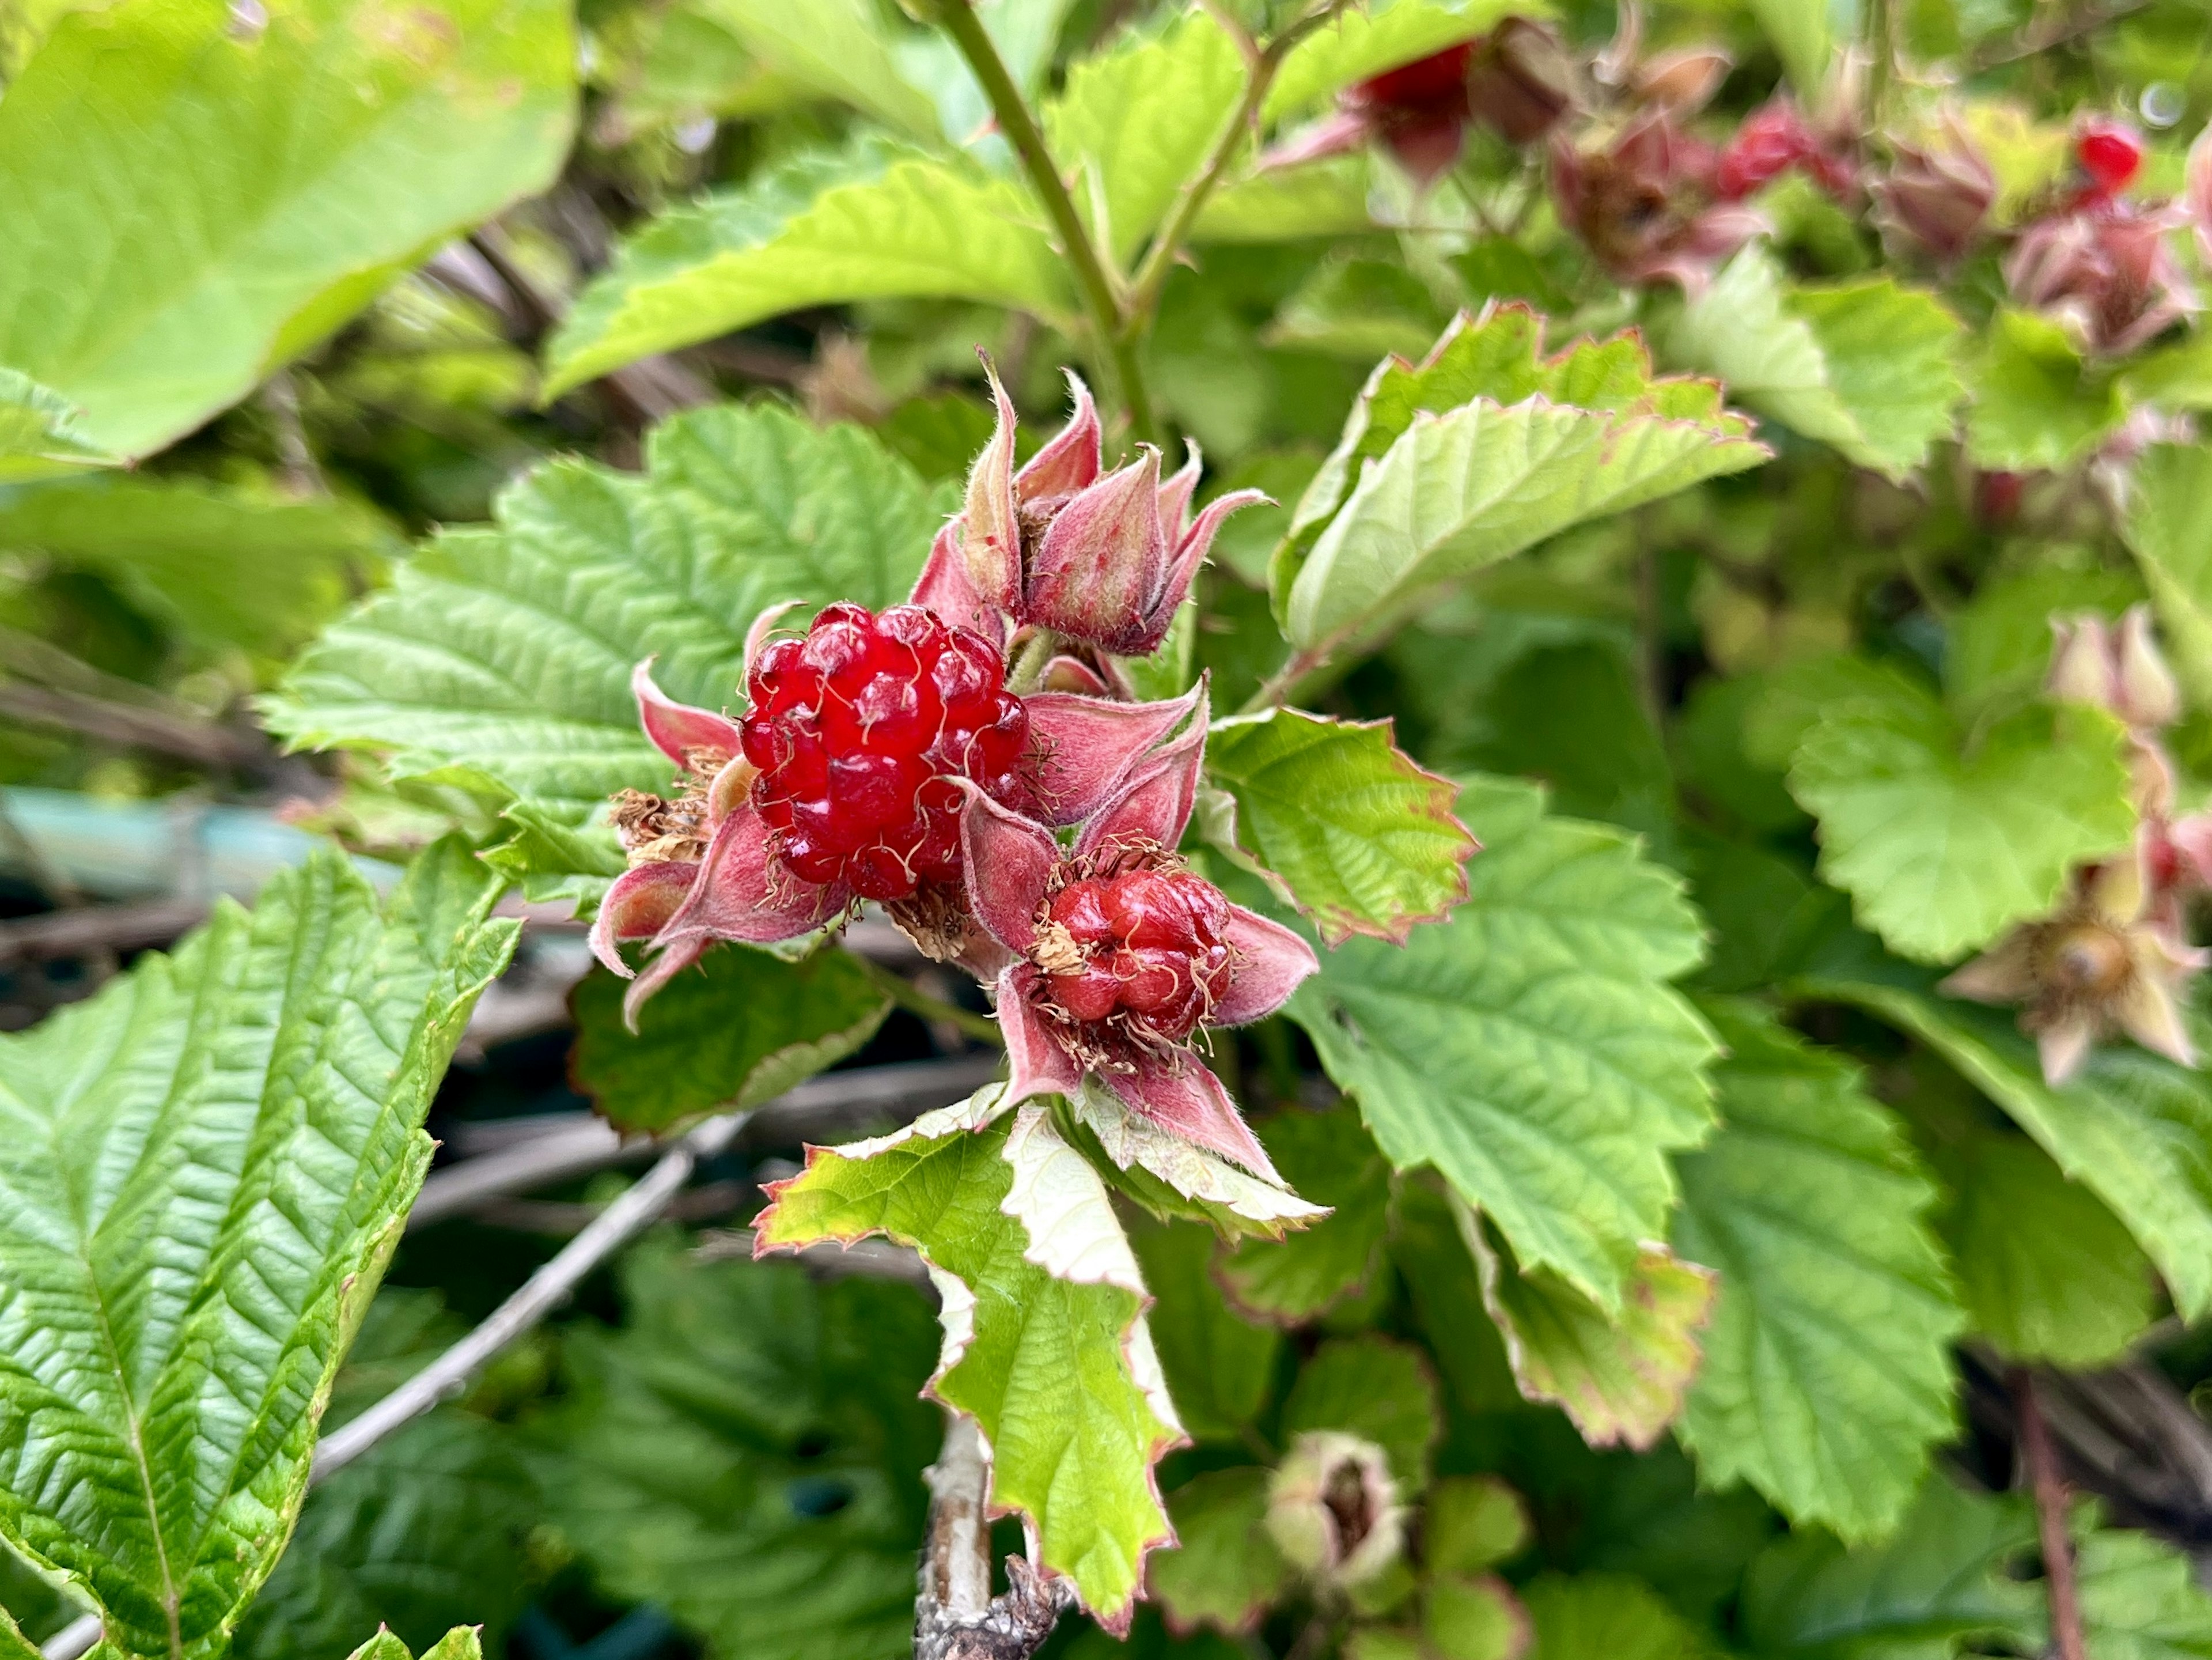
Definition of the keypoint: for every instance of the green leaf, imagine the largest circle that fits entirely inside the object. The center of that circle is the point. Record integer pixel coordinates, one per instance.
(1374, 1388)
(834, 48)
(1589, 1614)
(1828, 1377)
(2140, 1599)
(186, 210)
(1937, 1582)
(1219, 1366)
(1940, 844)
(428, 1530)
(1290, 204)
(1474, 1618)
(204, 1167)
(2168, 528)
(741, 1029)
(1060, 1375)
(508, 650)
(1362, 840)
(746, 1452)
(2036, 404)
(225, 568)
(1438, 1272)
(1133, 122)
(1530, 1047)
(41, 433)
(1521, 449)
(2048, 1273)
(1865, 366)
(1356, 44)
(14, 1646)
(462, 1643)
(1803, 38)
(871, 223)
(1358, 308)
(1998, 651)
(1225, 1570)
(1620, 1377)
(2133, 1128)
(1328, 1158)
(1171, 1177)
(1471, 1522)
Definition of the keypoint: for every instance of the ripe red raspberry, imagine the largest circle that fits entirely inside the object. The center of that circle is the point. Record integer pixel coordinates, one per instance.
(1145, 945)
(1773, 139)
(2112, 153)
(857, 729)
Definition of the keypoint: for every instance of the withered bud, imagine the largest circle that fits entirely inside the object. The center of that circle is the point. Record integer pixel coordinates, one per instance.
(1333, 1509)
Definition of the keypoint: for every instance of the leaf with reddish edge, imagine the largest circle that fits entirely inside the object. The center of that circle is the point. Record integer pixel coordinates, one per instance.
(1083, 749)
(675, 727)
(1061, 1376)
(1182, 1095)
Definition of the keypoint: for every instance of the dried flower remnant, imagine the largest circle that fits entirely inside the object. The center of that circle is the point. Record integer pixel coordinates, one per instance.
(1939, 196)
(2105, 272)
(1645, 203)
(1119, 957)
(1332, 1510)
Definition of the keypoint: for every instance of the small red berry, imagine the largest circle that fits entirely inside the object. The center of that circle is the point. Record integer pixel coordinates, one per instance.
(858, 728)
(1435, 84)
(1773, 139)
(1152, 948)
(2112, 153)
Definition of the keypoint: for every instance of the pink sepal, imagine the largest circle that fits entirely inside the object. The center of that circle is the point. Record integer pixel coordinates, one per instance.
(1155, 804)
(741, 895)
(1103, 560)
(1268, 961)
(1070, 460)
(944, 588)
(1006, 860)
(658, 973)
(638, 905)
(1184, 1097)
(990, 531)
(1035, 1062)
(675, 727)
(1082, 750)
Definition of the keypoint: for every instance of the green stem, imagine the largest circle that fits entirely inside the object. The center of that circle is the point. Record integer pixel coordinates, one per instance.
(913, 999)
(1020, 130)
(1026, 673)
(1279, 685)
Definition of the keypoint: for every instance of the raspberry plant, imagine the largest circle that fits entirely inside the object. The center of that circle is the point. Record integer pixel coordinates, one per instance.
(1438, 770)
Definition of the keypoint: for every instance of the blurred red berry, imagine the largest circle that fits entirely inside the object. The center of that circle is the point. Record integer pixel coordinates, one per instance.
(1773, 139)
(2112, 153)
(858, 727)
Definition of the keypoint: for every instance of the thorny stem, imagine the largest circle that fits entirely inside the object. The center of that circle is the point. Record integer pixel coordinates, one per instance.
(2049, 1518)
(913, 999)
(1020, 130)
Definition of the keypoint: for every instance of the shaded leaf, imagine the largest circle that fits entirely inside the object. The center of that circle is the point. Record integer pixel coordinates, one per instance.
(2168, 528)
(1528, 1047)
(1328, 1158)
(1612, 1614)
(1225, 1570)
(41, 436)
(1375, 1389)
(2139, 1599)
(204, 1167)
(1219, 1366)
(1471, 1522)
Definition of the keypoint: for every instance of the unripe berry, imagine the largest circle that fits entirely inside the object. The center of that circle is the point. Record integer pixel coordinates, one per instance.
(1145, 945)
(858, 728)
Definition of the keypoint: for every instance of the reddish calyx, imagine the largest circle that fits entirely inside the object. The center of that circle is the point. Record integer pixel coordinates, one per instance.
(1142, 950)
(857, 729)
(2112, 153)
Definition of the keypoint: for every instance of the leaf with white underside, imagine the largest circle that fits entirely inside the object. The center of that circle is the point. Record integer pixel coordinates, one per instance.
(1828, 1377)
(2046, 1269)
(1133, 122)
(1060, 1375)
(202, 1169)
(1329, 1157)
(1236, 1202)
(1357, 837)
(1225, 1570)
(1530, 1047)
(40, 433)
(1866, 366)
(1942, 837)
(2168, 528)
(186, 210)
(1483, 449)
(506, 650)
(2131, 1127)
(1620, 1378)
(873, 223)
(744, 1026)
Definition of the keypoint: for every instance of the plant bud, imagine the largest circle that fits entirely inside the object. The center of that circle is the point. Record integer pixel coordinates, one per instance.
(1333, 1509)
(2119, 669)
(2148, 695)
(1683, 81)
(1939, 197)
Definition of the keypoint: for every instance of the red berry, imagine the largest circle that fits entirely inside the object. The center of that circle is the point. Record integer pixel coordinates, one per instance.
(2112, 153)
(1435, 84)
(1773, 139)
(858, 728)
(1152, 948)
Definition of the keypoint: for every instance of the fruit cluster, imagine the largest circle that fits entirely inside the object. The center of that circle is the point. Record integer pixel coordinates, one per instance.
(858, 728)
(1144, 944)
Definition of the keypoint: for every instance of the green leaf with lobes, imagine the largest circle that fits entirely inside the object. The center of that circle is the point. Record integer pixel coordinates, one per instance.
(205, 1166)
(166, 252)
(743, 1027)
(2168, 527)
(1485, 448)
(1530, 1047)
(1942, 844)
(1866, 366)
(1059, 1371)
(2037, 405)
(1219, 1366)
(41, 433)
(1352, 831)
(461, 1643)
(1330, 1159)
(1828, 1378)
(746, 1452)
(2132, 1127)
(507, 650)
(873, 223)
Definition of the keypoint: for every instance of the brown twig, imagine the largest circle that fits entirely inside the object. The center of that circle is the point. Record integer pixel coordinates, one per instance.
(98, 927)
(133, 725)
(2050, 1485)
(955, 1617)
